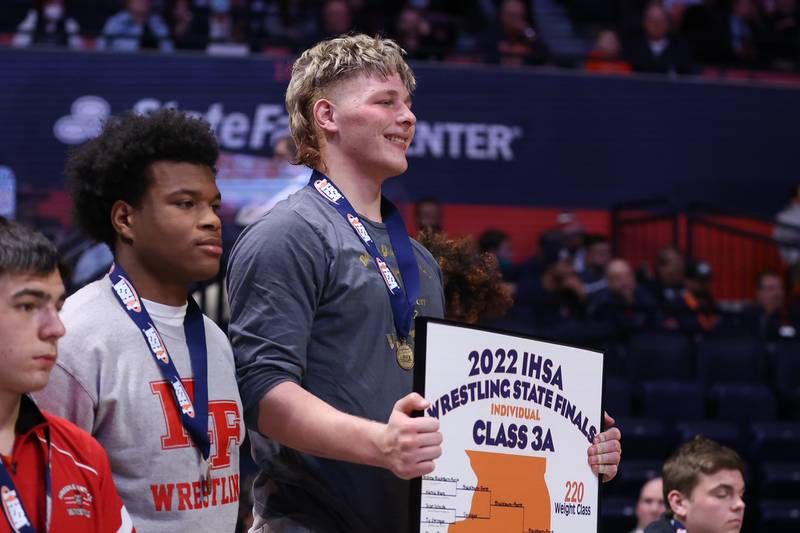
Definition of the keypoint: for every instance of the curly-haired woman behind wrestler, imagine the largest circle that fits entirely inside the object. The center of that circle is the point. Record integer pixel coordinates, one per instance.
(473, 286)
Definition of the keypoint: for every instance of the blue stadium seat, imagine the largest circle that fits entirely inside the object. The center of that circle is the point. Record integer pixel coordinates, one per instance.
(723, 432)
(780, 516)
(617, 397)
(743, 402)
(618, 513)
(780, 481)
(659, 355)
(730, 360)
(614, 362)
(671, 400)
(775, 441)
(645, 438)
(633, 473)
(786, 375)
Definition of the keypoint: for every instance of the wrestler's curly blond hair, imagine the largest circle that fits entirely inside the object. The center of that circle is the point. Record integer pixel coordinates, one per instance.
(319, 68)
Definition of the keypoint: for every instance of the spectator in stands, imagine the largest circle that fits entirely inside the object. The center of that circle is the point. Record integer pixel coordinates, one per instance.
(428, 214)
(787, 231)
(283, 24)
(337, 18)
(227, 27)
(184, 23)
(770, 318)
(746, 34)
(704, 314)
(597, 257)
(650, 505)
(703, 489)
(473, 287)
(135, 28)
(498, 243)
(413, 33)
(555, 299)
(48, 24)
(606, 55)
(281, 167)
(218, 28)
(622, 306)
(669, 290)
(571, 232)
(705, 28)
(783, 27)
(657, 50)
(514, 42)
(676, 8)
(669, 283)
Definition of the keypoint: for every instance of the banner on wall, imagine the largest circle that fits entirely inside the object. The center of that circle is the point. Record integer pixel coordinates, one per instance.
(539, 138)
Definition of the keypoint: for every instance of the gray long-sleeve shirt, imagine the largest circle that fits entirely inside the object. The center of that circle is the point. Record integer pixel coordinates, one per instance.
(309, 306)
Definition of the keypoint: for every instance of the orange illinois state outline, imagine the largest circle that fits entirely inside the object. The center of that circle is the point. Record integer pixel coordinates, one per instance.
(511, 495)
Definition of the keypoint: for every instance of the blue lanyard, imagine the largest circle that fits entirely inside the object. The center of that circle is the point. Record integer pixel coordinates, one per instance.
(12, 501)
(402, 301)
(193, 415)
(679, 528)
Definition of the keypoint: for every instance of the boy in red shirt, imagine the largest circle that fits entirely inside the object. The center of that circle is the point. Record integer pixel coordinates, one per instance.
(53, 476)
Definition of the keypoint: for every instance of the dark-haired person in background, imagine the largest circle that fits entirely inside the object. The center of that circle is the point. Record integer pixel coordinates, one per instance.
(513, 41)
(428, 214)
(623, 306)
(141, 368)
(770, 317)
(48, 24)
(498, 243)
(135, 28)
(703, 490)
(596, 258)
(54, 476)
(658, 50)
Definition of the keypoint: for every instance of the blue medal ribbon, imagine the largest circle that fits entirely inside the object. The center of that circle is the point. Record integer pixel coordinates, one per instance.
(679, 528)
(403, 301)
(11, 500)
(194, 415)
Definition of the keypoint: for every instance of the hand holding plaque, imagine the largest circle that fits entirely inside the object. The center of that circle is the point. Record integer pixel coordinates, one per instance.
(410, 445)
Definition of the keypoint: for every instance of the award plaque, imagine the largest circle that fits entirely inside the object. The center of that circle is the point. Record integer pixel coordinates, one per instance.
(517, 416)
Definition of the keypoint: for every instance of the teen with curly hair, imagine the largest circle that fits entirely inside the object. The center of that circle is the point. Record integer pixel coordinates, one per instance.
(141, 368)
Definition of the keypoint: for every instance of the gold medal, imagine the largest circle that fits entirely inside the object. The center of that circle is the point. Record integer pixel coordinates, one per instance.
(405, 355)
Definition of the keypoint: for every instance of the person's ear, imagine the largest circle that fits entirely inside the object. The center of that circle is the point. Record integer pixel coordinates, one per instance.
(678, 503)
(324, 112)
(123, 218)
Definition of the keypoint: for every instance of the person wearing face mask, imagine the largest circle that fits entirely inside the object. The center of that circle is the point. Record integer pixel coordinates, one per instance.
(215, 28)
(225, 26)
(47, 24)
(134, 28)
